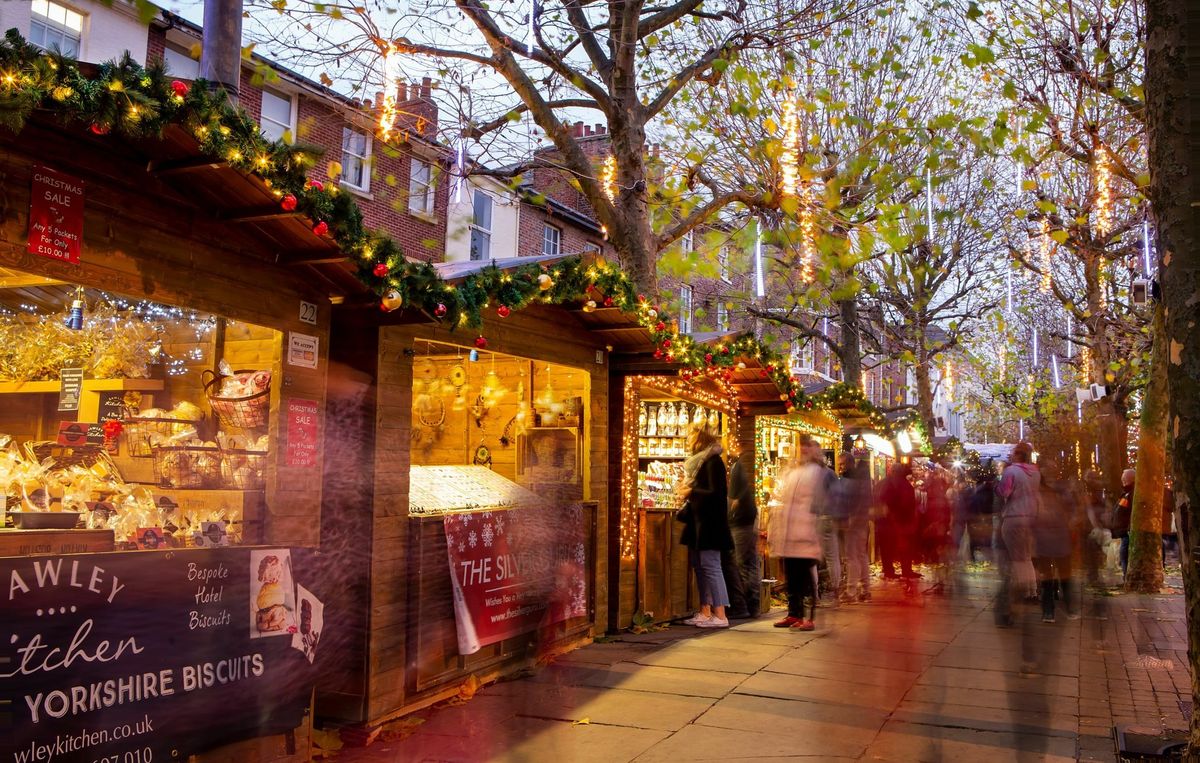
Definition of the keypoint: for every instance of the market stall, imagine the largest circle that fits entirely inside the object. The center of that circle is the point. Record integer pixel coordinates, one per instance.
(777, 442)
(163, 350)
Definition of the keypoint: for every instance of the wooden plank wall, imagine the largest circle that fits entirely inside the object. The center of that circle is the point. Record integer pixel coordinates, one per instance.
(542, 334)
(146, 240)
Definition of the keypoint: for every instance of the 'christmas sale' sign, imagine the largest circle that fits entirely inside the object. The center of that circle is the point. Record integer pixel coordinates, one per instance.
(302, 428)
(516, 570)
(55, 215)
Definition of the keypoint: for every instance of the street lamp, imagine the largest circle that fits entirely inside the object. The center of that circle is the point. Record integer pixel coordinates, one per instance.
(904, 441)
(860, 443)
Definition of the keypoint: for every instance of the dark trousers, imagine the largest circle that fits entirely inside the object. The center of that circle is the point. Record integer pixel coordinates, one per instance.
(1055, 577)
(734, 585)
(801, 577)
(895, 546)
(747, 564)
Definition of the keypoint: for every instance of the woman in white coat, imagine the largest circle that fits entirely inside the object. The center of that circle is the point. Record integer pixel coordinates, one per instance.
(792, 531)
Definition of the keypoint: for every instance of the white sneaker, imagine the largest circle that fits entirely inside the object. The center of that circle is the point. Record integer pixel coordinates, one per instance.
(714, 622)
(695, 619)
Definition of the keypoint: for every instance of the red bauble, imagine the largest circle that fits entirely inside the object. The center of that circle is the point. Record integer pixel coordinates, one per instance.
(763, 373)
(658, 354)
(724, 350)
(98, 129)
(481, 342)
(503, 311)
(666, 343)
(660, 326)
(440, 310)
(380, 270)
(670, 358)
(288, 203)
(808, 405)
(708, 358)
(321, 228)
(316, 185)
(609, 302)
(727, 376)
(179, 87)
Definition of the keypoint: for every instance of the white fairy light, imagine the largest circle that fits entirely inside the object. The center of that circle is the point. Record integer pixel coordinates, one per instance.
(1035, 348)
(1057, 378)
(532, 33)
(1070, 333)
(760, 286)
(929, 203)
(1146, 246)
(460, 171)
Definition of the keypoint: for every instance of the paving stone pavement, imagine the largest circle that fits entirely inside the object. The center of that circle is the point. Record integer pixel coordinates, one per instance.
(929, 678)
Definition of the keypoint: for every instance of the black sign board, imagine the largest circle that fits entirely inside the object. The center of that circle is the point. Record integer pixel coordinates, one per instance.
(72, 388)
(112, 406)
(147, 656)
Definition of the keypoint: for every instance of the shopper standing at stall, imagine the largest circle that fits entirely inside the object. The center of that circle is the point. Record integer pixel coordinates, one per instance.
(792, 532)
(706, 532)
(743, 571)
(900, 499)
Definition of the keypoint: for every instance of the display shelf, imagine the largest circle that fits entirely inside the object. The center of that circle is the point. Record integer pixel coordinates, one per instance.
(662, 458)
(89, 385)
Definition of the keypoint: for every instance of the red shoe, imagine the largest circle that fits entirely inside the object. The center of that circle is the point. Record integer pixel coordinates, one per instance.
(804, 625)
(788, 622)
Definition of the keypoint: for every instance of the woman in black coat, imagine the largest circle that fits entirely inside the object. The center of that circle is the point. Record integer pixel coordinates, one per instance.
(706, 531)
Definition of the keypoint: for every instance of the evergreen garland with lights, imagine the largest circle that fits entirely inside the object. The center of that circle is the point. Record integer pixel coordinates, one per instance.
(140, 102)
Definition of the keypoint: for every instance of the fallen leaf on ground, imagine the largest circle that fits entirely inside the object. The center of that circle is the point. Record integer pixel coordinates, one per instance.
(582, 722)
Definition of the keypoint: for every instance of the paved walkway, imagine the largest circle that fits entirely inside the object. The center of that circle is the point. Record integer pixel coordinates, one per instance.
(930, 679)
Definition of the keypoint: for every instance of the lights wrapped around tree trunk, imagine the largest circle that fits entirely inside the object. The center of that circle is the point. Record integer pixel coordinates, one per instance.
(1104, 200)
(608, 177)
(391, 87)
(808, 232)
(789, 157)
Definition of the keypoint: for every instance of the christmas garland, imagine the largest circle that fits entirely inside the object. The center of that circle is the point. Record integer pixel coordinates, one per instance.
(139, 102)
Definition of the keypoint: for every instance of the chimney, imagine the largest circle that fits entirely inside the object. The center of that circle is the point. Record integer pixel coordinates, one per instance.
(601, 129)
(426, 87)
(378, 100)
(221, 49)
(577, 130)
(401, 93)
(587, 131)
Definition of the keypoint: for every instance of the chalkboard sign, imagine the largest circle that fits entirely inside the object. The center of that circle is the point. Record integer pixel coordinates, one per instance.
(149, 656)
(112, 406)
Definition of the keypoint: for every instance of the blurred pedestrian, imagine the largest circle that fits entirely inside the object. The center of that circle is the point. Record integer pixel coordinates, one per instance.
(831, 524)
(743, 577)
(935, 525)
(706, 524)
(1052, 544)
(1123, 516)
(855, 493)
(900, 501)
(792, 533)
(1019, 487)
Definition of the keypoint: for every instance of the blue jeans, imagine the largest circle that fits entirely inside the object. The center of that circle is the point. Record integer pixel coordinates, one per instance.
(709, 579)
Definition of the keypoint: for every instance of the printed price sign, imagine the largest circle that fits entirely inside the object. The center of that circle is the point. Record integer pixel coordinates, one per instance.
(303, 419)
(303, 350)
(72, 387)
(55, 215)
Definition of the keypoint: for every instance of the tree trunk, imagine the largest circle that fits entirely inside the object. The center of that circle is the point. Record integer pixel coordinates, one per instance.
(634, 237)
(924, 387)
(851, 344)
(1173, 108)
(1145, 530)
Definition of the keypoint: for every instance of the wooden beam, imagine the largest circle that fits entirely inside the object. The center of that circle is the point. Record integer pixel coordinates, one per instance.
(256, 214)
(315, 257)
(185, 166)
(22, 281)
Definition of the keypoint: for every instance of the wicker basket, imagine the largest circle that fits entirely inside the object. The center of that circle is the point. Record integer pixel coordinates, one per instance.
(139, 433)
(250, 412)
(93, 457)
(244, 469)
(187, 466)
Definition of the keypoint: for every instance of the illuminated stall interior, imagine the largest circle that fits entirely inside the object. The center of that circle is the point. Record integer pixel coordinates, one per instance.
(160, 434)
(777, 444)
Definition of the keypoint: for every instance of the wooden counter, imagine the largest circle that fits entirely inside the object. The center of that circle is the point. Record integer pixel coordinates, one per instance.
(31, 542)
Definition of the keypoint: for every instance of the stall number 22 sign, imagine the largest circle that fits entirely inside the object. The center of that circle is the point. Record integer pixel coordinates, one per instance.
(308, 312)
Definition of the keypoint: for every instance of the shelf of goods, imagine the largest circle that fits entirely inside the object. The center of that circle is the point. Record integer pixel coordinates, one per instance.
(452, 489)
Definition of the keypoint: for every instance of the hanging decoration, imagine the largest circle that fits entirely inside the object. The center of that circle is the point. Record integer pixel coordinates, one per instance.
(1146, 263)
(808, 232)
(391, 90)
(608, 177)
(1104, 199)
(760, 287)
(532, 31)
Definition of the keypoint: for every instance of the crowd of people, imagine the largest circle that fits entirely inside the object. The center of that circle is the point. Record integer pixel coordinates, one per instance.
(1035, 524)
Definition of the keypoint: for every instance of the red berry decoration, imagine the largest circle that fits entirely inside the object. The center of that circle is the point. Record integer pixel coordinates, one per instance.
(727, 376)
(288, 203)
(179, 87)
(316, 185)
(660, 326)
(666, 343)
(440, 310)
(481, 341)
(724, 350)
(708, 358)
(670, 358)
(380, 270)
(658, 354)
(609, 302)
(99, 129)
(763, 372)
(503, 311)
(321, 228)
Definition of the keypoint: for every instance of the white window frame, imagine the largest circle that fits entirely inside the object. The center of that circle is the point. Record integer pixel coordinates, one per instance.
(555, 240)
(723, 263)
(485, 232)
(420, 193)
(687, 242)
(188, 67)
(54, 26)
(722, 316)
(364, 159)
(289, 130)
(592, 246)
(686, 308)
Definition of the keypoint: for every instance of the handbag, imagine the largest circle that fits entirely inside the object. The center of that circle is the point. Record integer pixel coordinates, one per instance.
(684, 513)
